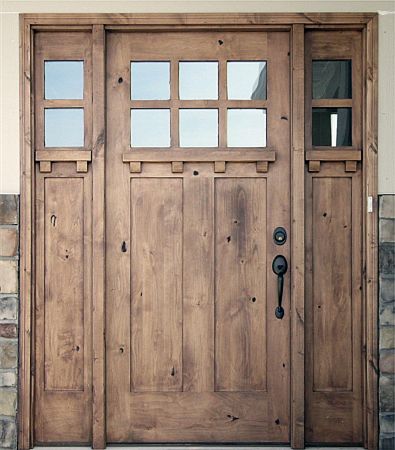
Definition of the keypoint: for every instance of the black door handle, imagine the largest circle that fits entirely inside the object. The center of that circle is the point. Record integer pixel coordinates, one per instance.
(280, 267)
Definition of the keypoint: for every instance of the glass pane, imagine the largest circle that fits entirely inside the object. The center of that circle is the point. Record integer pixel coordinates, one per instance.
(150, 127)
(247, 80)
(246, 127)
(64, 80)
(64, 127)
(150, 80)
(198, 80)
(332, 127)
(198, 127)
(332, 79)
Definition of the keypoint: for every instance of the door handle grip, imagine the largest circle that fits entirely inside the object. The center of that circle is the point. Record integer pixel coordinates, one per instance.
(280, 267)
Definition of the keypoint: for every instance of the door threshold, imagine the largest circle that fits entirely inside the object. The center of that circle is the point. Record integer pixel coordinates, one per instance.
(197, 447)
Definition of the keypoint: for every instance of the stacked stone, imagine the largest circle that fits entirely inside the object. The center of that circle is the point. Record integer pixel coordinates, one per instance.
(387, 321)
(9, 241)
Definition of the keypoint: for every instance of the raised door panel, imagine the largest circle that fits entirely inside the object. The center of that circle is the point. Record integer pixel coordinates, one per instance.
(240, 287)
(63, 307)
(156, 284)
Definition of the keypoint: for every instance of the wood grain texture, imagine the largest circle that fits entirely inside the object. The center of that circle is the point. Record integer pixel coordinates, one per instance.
(98, 238)
(152, 410)
(370, 183)
(63, 307)
(198, 285)
(26, 314)
(156, 284)
(240, 291)
(297, 239)
(64, 285)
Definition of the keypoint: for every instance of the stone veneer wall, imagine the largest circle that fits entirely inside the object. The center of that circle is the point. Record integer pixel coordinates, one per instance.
(9, 255)
(9, 216)
(387, 320)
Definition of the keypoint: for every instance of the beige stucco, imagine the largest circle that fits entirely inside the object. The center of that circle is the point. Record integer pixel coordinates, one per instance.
(9, 62)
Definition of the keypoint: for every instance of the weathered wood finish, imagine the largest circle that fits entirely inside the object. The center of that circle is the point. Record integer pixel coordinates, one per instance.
(334, 312)
(63, 307)
(190, 304)
(198, 376)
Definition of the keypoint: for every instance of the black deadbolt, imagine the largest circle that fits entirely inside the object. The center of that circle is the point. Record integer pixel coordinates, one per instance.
(280, 236)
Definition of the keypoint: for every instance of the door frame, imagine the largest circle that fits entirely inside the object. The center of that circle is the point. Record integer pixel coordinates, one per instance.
(296, 24)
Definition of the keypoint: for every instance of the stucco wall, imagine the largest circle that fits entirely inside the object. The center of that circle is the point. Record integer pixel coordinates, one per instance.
(9, 62)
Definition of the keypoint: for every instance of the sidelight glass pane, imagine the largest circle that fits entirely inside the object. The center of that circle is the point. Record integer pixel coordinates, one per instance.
(247, 80)
(64, 80)
(150, 80)
(198, 80)
(150, 127)
(332, 127)
(64, 127)
(246, 127)
(198, 127)
(332, 79)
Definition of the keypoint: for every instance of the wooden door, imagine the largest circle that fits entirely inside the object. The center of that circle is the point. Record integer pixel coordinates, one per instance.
(194, 351)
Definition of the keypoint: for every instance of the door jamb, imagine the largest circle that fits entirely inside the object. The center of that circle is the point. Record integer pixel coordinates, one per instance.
(296, 23)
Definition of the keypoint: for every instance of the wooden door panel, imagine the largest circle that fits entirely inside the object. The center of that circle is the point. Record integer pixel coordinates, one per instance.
(240, 288)
(333, 309)
(156, 284)
(198, 286)
(64, 284)
(332, 306)
(194, 351)
(63, 306)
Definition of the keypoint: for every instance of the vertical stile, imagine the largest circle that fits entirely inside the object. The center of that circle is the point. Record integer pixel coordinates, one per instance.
(98, 169)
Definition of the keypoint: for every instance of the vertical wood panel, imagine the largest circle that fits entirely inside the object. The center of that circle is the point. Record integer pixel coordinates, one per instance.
(98, 256)
(297, 239)
(370, 183)
(332, 300)
(156, 284)
(240, 292)
(64, 284)
(198, 291)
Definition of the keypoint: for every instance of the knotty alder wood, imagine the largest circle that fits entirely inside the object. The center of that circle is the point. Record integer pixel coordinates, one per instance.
(334, 381)
(63, 307)
(194, 351)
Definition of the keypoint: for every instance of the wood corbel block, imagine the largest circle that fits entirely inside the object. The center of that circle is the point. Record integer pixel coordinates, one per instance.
(351, 166)
(219, 166)
(135, 167)
(82, 166)
(45, 166)
(314, 166)
(262, 166)
(177, 167)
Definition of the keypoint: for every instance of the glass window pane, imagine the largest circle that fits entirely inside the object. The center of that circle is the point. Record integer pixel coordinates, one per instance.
(332, 127)
(246, 127)
(247, 80)
(64, 80)
(64, 127)
(198, 80)
(198, 127)
(150, 80)
(150, 127)
(332, 79)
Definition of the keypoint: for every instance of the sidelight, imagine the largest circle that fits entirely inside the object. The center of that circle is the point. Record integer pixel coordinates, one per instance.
(332, 127)
(64, 127)
(331, 79)
(64, 80)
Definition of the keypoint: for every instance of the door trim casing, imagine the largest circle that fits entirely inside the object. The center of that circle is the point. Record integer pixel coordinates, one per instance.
(296, 23)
